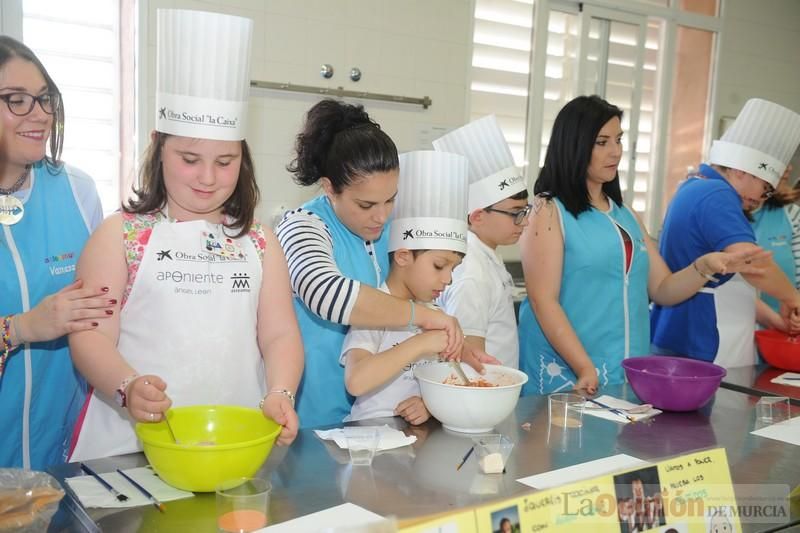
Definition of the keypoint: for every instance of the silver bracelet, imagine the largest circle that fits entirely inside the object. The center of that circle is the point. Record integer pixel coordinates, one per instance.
(289, 394)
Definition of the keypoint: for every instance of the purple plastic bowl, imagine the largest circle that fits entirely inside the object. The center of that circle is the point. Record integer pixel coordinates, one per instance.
(673, 383)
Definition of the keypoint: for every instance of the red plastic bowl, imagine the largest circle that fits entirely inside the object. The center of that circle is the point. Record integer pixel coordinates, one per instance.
(779, 349)
(673, 383)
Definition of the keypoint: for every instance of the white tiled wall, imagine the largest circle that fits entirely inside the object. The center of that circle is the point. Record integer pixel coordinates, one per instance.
(403, 47)
(759, 55)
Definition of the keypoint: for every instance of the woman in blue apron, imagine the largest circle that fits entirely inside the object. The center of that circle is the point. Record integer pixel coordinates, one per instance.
(47, 211)
(588, 261)
(777, 227)
(206, 308)
(336, 249)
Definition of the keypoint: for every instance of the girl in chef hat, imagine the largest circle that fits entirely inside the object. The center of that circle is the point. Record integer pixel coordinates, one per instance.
(205, 304)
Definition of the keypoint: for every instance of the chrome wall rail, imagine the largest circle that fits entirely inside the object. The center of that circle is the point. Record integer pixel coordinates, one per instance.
(425, 101)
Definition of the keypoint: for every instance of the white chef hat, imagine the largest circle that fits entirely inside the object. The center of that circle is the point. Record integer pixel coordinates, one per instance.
(431, 205)
(492, 174)
(761, 141)
(203, 74)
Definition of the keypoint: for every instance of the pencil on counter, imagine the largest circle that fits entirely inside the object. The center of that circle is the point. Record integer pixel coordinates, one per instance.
(158, 504)
(612, 409)
(118, 495)
(464, 460)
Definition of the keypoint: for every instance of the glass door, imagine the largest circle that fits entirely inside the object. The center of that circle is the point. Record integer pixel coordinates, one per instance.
(611, 64)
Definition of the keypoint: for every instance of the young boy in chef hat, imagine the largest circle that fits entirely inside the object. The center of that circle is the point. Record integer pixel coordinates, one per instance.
(480, 296)
(427, 240)
(203, 310)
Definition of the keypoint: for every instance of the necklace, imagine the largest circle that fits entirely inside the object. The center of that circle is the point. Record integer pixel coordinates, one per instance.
(11, 208)
(17, 184)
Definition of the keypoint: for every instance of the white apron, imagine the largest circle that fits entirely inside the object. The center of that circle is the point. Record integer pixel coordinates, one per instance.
(191, 320)
(735, 304)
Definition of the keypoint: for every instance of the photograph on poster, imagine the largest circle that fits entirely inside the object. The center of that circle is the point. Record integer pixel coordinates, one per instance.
(506, 520)
(639, 502)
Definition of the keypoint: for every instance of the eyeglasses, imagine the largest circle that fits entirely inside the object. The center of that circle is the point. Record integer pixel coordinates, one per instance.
(518, 216)
(21, 104)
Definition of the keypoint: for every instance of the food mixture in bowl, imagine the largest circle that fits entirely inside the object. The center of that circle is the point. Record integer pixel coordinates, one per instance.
(452, 379)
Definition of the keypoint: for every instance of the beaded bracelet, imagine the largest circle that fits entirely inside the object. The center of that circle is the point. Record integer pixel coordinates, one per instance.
(285, 392)
(6, 342)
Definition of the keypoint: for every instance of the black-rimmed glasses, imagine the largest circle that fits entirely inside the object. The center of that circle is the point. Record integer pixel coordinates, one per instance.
(21, 104)
(518, 216)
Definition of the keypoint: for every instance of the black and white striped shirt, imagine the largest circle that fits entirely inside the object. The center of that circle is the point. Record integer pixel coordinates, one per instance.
(314, 274)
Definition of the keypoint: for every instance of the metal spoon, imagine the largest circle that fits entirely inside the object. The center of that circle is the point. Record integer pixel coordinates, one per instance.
(169, 427)
(460, 371)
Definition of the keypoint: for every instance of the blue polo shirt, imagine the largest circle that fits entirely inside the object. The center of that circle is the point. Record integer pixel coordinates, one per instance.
(705, 216)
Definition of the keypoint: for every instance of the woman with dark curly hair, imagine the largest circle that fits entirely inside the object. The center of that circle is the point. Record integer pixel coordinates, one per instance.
(336, 247)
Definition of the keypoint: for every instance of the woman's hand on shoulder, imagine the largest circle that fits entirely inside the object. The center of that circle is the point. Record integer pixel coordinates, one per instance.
(73, 308)
(279, 408)
(146, 398)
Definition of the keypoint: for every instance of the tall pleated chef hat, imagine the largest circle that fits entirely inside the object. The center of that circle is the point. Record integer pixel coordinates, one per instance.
(492, 174)
(431, 205)
(203, 74)
(761, 141)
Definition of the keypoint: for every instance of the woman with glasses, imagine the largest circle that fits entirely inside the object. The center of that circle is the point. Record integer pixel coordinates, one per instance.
(742, 170)
(47, 211)
(590, 267)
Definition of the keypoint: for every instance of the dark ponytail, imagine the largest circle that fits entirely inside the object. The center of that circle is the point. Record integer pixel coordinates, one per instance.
(340, 142)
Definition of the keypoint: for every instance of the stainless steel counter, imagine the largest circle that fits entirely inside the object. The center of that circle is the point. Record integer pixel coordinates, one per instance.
(422, 479)
(756, 380)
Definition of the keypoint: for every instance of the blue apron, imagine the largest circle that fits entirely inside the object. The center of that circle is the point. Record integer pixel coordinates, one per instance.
(322, 398)
(607, 308)
(774, 233)
(41, 393)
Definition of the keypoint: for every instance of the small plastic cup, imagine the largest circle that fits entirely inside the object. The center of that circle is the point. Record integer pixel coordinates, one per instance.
(773, 409)
(492, 452)
(362, 443)
(566, 410)
(564, 439)
(242, 505)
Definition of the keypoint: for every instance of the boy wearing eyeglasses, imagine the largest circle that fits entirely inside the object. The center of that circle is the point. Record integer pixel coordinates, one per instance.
(480, 296)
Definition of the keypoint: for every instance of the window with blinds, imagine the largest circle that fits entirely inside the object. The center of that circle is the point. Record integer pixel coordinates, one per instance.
(501, 61)
(501, 66)
(78, 43)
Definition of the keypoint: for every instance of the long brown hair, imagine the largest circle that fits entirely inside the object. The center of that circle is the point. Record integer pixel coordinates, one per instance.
(11, 48)
(151, 195)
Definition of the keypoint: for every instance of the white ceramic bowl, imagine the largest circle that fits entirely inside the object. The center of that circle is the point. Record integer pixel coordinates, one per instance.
(469, 409)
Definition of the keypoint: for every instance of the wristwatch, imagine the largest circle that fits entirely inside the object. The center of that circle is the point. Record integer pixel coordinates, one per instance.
(120, 395)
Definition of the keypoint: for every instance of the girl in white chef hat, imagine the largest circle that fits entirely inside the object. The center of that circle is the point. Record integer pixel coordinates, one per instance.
(205, 305)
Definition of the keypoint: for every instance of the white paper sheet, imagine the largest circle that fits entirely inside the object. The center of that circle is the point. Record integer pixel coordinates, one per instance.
(596, 410)
(347, 514)
(587, 470)
(92, 494)
(786, 431)
(390, 438)
(787, 378)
